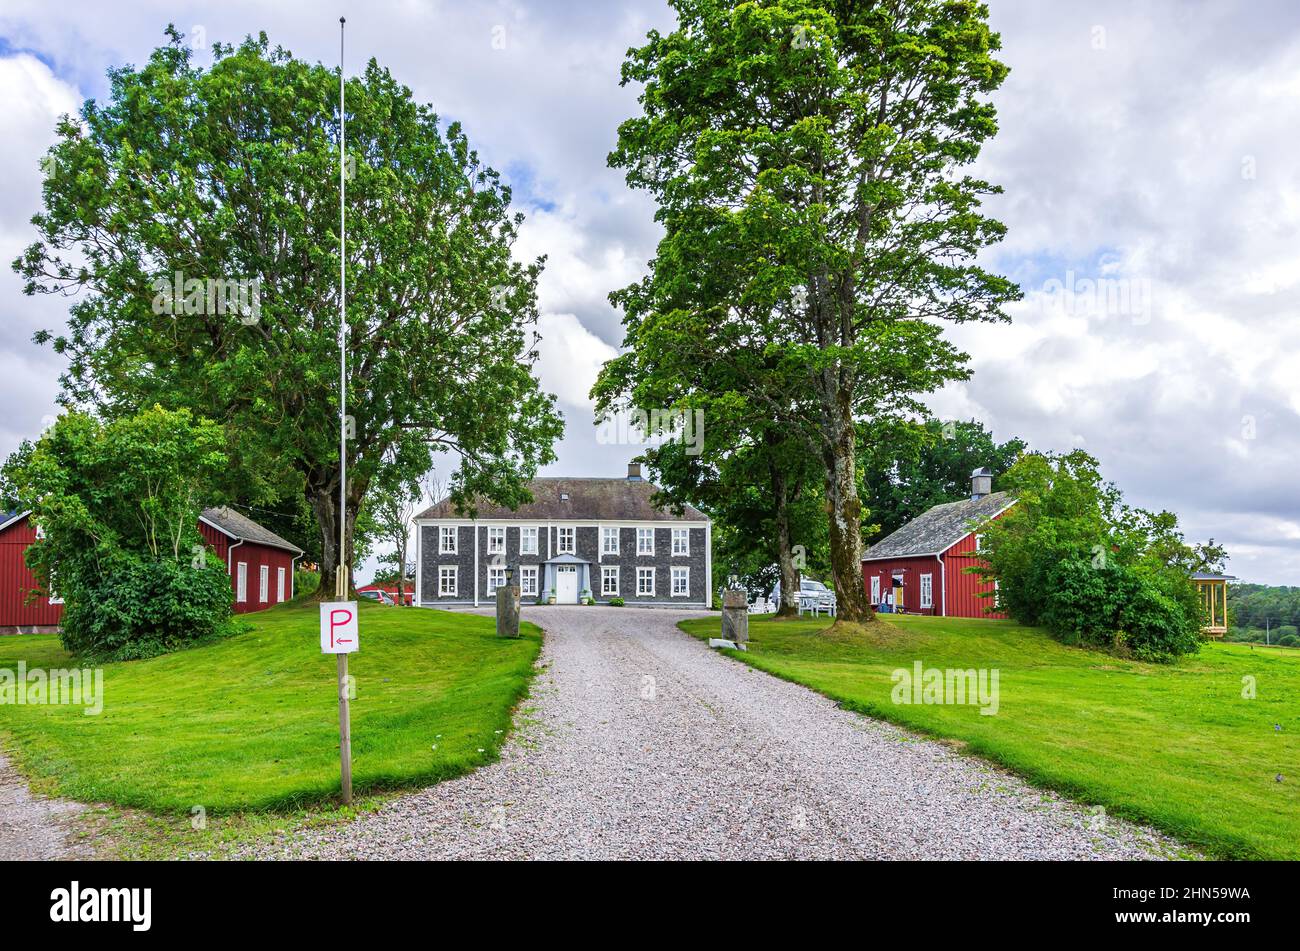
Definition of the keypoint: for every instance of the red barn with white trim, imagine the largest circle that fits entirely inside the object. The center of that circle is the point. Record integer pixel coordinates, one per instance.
(921, 568)
(260, 564)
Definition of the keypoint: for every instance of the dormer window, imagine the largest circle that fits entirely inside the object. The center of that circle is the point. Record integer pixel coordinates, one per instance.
(564, 496)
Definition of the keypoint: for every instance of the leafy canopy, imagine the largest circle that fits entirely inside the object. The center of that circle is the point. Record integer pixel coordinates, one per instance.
(231, 173)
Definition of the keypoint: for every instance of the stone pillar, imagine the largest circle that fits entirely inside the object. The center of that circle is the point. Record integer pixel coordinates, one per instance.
(735, 615)
(508, 610)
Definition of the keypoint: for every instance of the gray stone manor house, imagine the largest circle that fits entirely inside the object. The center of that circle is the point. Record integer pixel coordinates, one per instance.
(602, 537)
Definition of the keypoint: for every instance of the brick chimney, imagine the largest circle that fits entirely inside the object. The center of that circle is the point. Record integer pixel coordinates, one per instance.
(981, 483)
(634, 472)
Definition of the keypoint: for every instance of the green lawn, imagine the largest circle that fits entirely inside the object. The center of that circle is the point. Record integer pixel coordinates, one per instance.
(252, 722)
(1176, 746)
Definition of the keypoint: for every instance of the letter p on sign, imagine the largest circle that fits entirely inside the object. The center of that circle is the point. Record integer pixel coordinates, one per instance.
(338, 627)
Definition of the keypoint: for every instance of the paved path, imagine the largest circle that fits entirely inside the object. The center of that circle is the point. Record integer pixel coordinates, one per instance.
(32, 827)
(640, 742)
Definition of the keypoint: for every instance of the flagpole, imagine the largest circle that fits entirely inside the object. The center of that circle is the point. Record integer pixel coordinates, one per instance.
(341, 584)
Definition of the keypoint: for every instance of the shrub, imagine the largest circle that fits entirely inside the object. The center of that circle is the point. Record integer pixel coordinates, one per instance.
(142, 607)
(1289, 640)
(305, 582)
(1110, 605)
(616, 602)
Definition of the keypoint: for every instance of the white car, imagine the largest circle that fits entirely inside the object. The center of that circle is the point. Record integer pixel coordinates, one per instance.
(811, 594)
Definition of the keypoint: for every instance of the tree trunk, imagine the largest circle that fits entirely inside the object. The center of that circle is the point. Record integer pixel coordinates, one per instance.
(845, 510)
(324, 502)
(789, 606)
(401, 570)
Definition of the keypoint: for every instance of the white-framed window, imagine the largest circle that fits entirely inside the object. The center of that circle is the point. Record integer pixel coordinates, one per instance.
(264, 583)
(927, 591)
(979, 541)
(681, 541)
(566, 542)
(279, 585)
(609, 579)
(496, 540)
(528, 540)
(681, 582)
(528, 577)
(609, 541)
(496, 578)
(241, 581)
(446, 539)
(447, 580)
(645, 581)
(875, 589)
(645, 541)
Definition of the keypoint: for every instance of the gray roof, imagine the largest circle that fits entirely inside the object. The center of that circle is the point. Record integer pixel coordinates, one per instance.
(937, 530)
(245, 529)
(595, 499)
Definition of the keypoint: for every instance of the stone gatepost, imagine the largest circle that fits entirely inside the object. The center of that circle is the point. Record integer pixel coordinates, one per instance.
(735, 615)
(508, 610)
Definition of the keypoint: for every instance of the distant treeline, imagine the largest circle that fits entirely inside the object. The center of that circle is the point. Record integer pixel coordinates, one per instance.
(1254, 609)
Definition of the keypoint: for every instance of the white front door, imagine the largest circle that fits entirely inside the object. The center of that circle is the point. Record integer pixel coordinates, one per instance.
(566, 584)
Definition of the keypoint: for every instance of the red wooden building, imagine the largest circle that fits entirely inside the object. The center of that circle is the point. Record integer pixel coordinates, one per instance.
(17, 582)
(260, 564)
(921, 568)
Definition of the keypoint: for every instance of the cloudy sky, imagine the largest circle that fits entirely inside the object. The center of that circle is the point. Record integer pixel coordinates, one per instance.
(1148, 151)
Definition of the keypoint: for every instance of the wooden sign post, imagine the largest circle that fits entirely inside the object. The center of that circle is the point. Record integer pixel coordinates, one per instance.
(340, 635)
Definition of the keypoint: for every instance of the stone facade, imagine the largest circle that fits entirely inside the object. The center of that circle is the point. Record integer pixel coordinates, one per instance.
(587, 555)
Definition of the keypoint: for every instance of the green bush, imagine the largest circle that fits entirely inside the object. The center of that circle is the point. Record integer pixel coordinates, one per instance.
(140, 607)
(1117, 607)
(616, 602)
(305, 582)
(1289, 640)
(118, 503)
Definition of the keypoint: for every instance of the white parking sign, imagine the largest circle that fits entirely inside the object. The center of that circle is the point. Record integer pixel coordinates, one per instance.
(339, 633)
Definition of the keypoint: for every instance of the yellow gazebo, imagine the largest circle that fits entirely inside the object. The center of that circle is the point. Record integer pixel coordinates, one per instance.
(1213, 589)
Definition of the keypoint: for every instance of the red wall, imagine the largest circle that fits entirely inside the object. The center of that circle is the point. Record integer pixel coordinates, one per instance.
(16, 581)
(255, 556)
(962, 588)
(911, 569)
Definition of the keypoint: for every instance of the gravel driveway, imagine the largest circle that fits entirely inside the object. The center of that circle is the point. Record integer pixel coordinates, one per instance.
(32, 827)
(640, 742)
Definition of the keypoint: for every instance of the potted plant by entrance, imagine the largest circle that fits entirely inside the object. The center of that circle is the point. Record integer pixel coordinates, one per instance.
(550, 599)
(586, 597)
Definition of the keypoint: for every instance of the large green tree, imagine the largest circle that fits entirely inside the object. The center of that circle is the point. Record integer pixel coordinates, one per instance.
(197, 179)
(807, 158)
